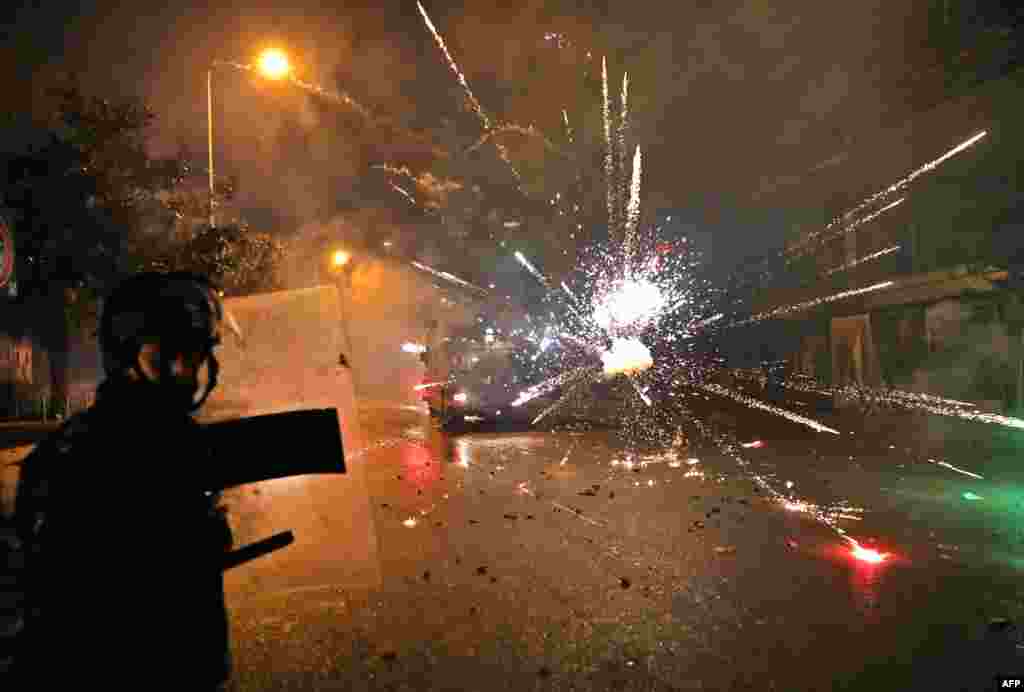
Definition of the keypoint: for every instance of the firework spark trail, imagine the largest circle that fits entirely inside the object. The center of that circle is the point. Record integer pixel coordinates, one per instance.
(569, 452)
(873, 215)
(897, 186)
(579, 514)
(609, 153)
(754, 403)
(898, 396)
(862, 260)
(513, 128)
(523, 487)
(643, 395)
(826, 518)
(574, 154)
(633, 215)
(569, 293)
(958, 470)
(547, 284)
(561, 400)
(342, 98)
(705, 322)
(917, 397)
(404, 193)
(550, 384)
(477, 108)
(913, 401)
(532, 269)
(455, 69)
(806, 305)
(394, 170)
(622, 163)
(866, 219)
(449, 277)
(974, 416)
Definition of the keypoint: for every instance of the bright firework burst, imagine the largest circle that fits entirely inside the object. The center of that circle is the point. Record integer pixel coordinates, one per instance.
(634, 292)
(626, 357)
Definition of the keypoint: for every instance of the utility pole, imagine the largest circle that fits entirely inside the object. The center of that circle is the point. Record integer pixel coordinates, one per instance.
(209, 140)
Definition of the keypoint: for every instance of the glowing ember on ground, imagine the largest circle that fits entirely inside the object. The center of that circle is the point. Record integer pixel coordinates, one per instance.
(411, 522)
(756, 444)
(626, 357)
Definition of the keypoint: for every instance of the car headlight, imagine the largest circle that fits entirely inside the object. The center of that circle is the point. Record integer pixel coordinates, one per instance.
(460, 398)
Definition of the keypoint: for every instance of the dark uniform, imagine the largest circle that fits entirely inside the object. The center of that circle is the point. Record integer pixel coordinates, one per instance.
(123, 550)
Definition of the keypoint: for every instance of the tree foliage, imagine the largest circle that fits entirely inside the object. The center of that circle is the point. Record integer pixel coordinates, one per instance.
(240, 260)
(78, 192)
(89, 204)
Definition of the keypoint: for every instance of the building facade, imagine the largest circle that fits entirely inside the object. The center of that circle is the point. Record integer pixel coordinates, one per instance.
(917, 286)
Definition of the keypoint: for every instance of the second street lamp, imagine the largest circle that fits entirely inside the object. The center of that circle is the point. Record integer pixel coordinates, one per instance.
(340, 258)
(341, 271)
(271, 64)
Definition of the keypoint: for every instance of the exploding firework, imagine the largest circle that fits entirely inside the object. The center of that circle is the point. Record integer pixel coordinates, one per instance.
(621, 294)
(626, 357)
(629, 306)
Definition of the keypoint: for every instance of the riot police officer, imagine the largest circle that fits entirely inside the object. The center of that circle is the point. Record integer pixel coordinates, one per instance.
(123, 546)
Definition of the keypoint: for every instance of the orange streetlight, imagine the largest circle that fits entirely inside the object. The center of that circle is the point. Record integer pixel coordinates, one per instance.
(273, 64)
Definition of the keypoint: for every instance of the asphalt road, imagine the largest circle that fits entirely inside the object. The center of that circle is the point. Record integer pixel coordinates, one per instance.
(605, 559)
(569, 559)
(573, 560)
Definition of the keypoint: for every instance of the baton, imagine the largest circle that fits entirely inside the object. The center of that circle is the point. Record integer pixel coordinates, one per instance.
(257, 549)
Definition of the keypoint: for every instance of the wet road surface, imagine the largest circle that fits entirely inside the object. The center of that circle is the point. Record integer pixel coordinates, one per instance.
(562, 560)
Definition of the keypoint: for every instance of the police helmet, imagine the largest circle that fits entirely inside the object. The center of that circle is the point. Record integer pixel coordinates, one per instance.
(180, 310)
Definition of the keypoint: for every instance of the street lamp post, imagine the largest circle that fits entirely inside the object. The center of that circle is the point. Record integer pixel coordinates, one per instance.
(272, 64)
(209, 137)
(341, 268)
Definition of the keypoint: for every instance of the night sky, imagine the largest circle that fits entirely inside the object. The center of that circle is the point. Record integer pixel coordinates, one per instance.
(744, 109)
